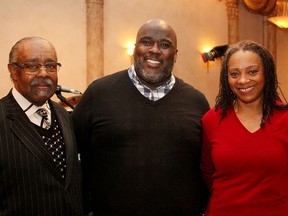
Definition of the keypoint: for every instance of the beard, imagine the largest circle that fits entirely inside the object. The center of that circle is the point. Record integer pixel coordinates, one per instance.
(153, 78)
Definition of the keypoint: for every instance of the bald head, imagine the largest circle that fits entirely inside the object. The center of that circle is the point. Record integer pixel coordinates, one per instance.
(157, 25)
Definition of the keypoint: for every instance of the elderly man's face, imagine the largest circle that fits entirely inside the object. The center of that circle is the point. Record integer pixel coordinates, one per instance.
(37, 88)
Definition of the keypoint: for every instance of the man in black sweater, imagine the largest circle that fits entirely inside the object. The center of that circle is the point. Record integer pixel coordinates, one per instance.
(139, 134)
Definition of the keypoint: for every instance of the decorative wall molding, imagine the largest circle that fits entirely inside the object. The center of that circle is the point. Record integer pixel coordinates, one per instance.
(263, 7)
(233, 20)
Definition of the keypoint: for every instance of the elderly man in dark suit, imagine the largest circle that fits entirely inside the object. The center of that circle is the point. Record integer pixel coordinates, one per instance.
(39, 167)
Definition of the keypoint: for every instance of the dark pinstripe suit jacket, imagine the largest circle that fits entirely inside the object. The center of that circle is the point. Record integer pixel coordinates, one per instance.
(29, 182)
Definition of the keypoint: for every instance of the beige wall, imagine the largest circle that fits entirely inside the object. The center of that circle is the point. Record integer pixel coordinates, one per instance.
(282, 61)
(198, 24)
(60, 21)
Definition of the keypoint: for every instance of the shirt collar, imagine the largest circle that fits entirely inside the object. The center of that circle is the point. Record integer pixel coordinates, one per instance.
(135, 79)
(26, 105)
(155, 94)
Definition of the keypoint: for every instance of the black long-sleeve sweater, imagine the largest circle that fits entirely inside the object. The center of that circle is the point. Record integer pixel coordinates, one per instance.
(140, 157)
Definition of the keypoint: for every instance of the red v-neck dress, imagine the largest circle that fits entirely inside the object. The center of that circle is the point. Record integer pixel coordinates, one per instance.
(246, 172)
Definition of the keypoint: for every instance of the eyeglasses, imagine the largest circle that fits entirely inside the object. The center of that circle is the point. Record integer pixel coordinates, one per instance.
(34, 68)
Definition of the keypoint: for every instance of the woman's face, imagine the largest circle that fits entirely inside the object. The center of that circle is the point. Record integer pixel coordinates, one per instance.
(246, 76)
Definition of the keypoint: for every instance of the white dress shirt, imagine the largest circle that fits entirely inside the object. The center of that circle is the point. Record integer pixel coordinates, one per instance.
(31, 111)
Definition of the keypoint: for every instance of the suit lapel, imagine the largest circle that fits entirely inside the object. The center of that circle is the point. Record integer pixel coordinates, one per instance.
(24, 129)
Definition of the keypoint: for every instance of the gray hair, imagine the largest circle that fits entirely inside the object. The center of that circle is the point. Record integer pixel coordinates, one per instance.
(13, 55)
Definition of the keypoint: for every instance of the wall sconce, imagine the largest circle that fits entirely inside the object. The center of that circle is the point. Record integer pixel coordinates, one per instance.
(281, 20)
(130, 48)
(214, 53)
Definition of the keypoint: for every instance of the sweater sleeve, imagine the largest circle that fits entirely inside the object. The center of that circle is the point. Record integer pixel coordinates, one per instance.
(81, 117)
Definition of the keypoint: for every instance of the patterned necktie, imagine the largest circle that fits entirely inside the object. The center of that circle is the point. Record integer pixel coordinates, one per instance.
(44, 114)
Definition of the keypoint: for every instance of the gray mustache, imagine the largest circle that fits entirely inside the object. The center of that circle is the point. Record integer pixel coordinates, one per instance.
(42, 81)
